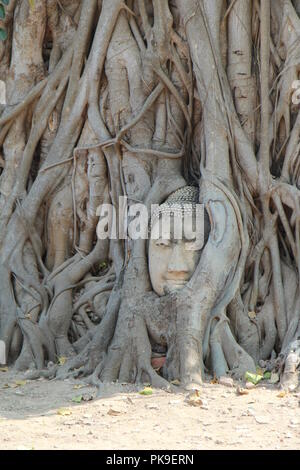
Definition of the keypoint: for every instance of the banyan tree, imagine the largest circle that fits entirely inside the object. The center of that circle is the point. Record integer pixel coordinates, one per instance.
(150, 101)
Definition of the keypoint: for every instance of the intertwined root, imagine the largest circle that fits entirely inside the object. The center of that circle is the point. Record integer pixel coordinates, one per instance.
(107, 103)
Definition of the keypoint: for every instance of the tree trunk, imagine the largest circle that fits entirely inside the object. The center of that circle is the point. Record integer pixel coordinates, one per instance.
(137, 99)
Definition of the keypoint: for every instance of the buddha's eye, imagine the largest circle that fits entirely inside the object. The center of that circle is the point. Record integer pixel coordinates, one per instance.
(163, 242)
(192, 245)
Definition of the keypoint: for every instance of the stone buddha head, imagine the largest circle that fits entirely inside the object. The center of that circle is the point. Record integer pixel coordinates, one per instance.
(174, 247)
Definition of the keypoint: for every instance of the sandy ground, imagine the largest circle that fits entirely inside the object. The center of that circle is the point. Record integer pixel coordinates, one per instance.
(41, 415)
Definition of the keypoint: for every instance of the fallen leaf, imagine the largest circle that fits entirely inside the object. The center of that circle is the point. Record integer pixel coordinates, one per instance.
(112, 412)
(20, 383)
(62, 360)
(281, 394)
(253, 378)
(77, 399)
(262, 419)
(146, 391)
(193, 399)
(175, 382)
(3, 369)
(10, 385)
(242, 391)
(252, 315)
(64, 412)
(197, 402)
(78, 387)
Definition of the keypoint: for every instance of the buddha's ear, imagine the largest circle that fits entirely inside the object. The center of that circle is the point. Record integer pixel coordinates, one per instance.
(218, 220)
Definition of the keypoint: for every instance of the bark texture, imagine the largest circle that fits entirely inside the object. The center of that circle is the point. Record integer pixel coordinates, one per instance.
(140, 98)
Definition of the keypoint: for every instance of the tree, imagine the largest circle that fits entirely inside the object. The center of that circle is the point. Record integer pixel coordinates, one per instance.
(140, 98)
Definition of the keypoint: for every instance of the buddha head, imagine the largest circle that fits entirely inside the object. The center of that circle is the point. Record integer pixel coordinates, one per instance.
(174, 247)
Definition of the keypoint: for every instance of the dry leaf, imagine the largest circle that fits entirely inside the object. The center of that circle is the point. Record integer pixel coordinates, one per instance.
(64, 412)
(20, 383)
(252, 315)
(62, 360)
(194, 399)
(78, 387)
(11, 385)
(112, 412)
(3, 369)
(242, 391)
(281, 394)
(175, 382)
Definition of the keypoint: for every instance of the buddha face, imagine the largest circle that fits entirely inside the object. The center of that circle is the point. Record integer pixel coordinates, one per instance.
(172, 261)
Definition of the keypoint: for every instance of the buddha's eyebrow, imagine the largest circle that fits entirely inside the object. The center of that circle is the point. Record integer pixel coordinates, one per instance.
(189, 239)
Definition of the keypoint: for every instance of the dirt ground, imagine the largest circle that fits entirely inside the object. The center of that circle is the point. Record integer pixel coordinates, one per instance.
(43, 415)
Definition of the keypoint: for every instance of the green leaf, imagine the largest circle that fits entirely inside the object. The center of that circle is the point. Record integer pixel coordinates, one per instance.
(5, 2)
(77, 399)
(146, 391)
(253, 378)
(3, 35)
(267, 375)
(2, 12)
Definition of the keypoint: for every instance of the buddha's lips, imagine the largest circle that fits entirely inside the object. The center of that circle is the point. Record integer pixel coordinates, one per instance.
(177, 281)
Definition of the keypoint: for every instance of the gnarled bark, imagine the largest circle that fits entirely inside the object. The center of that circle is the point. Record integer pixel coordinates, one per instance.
(138, 99)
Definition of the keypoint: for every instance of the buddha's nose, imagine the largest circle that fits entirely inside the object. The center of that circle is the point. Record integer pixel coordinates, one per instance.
(177, 263)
